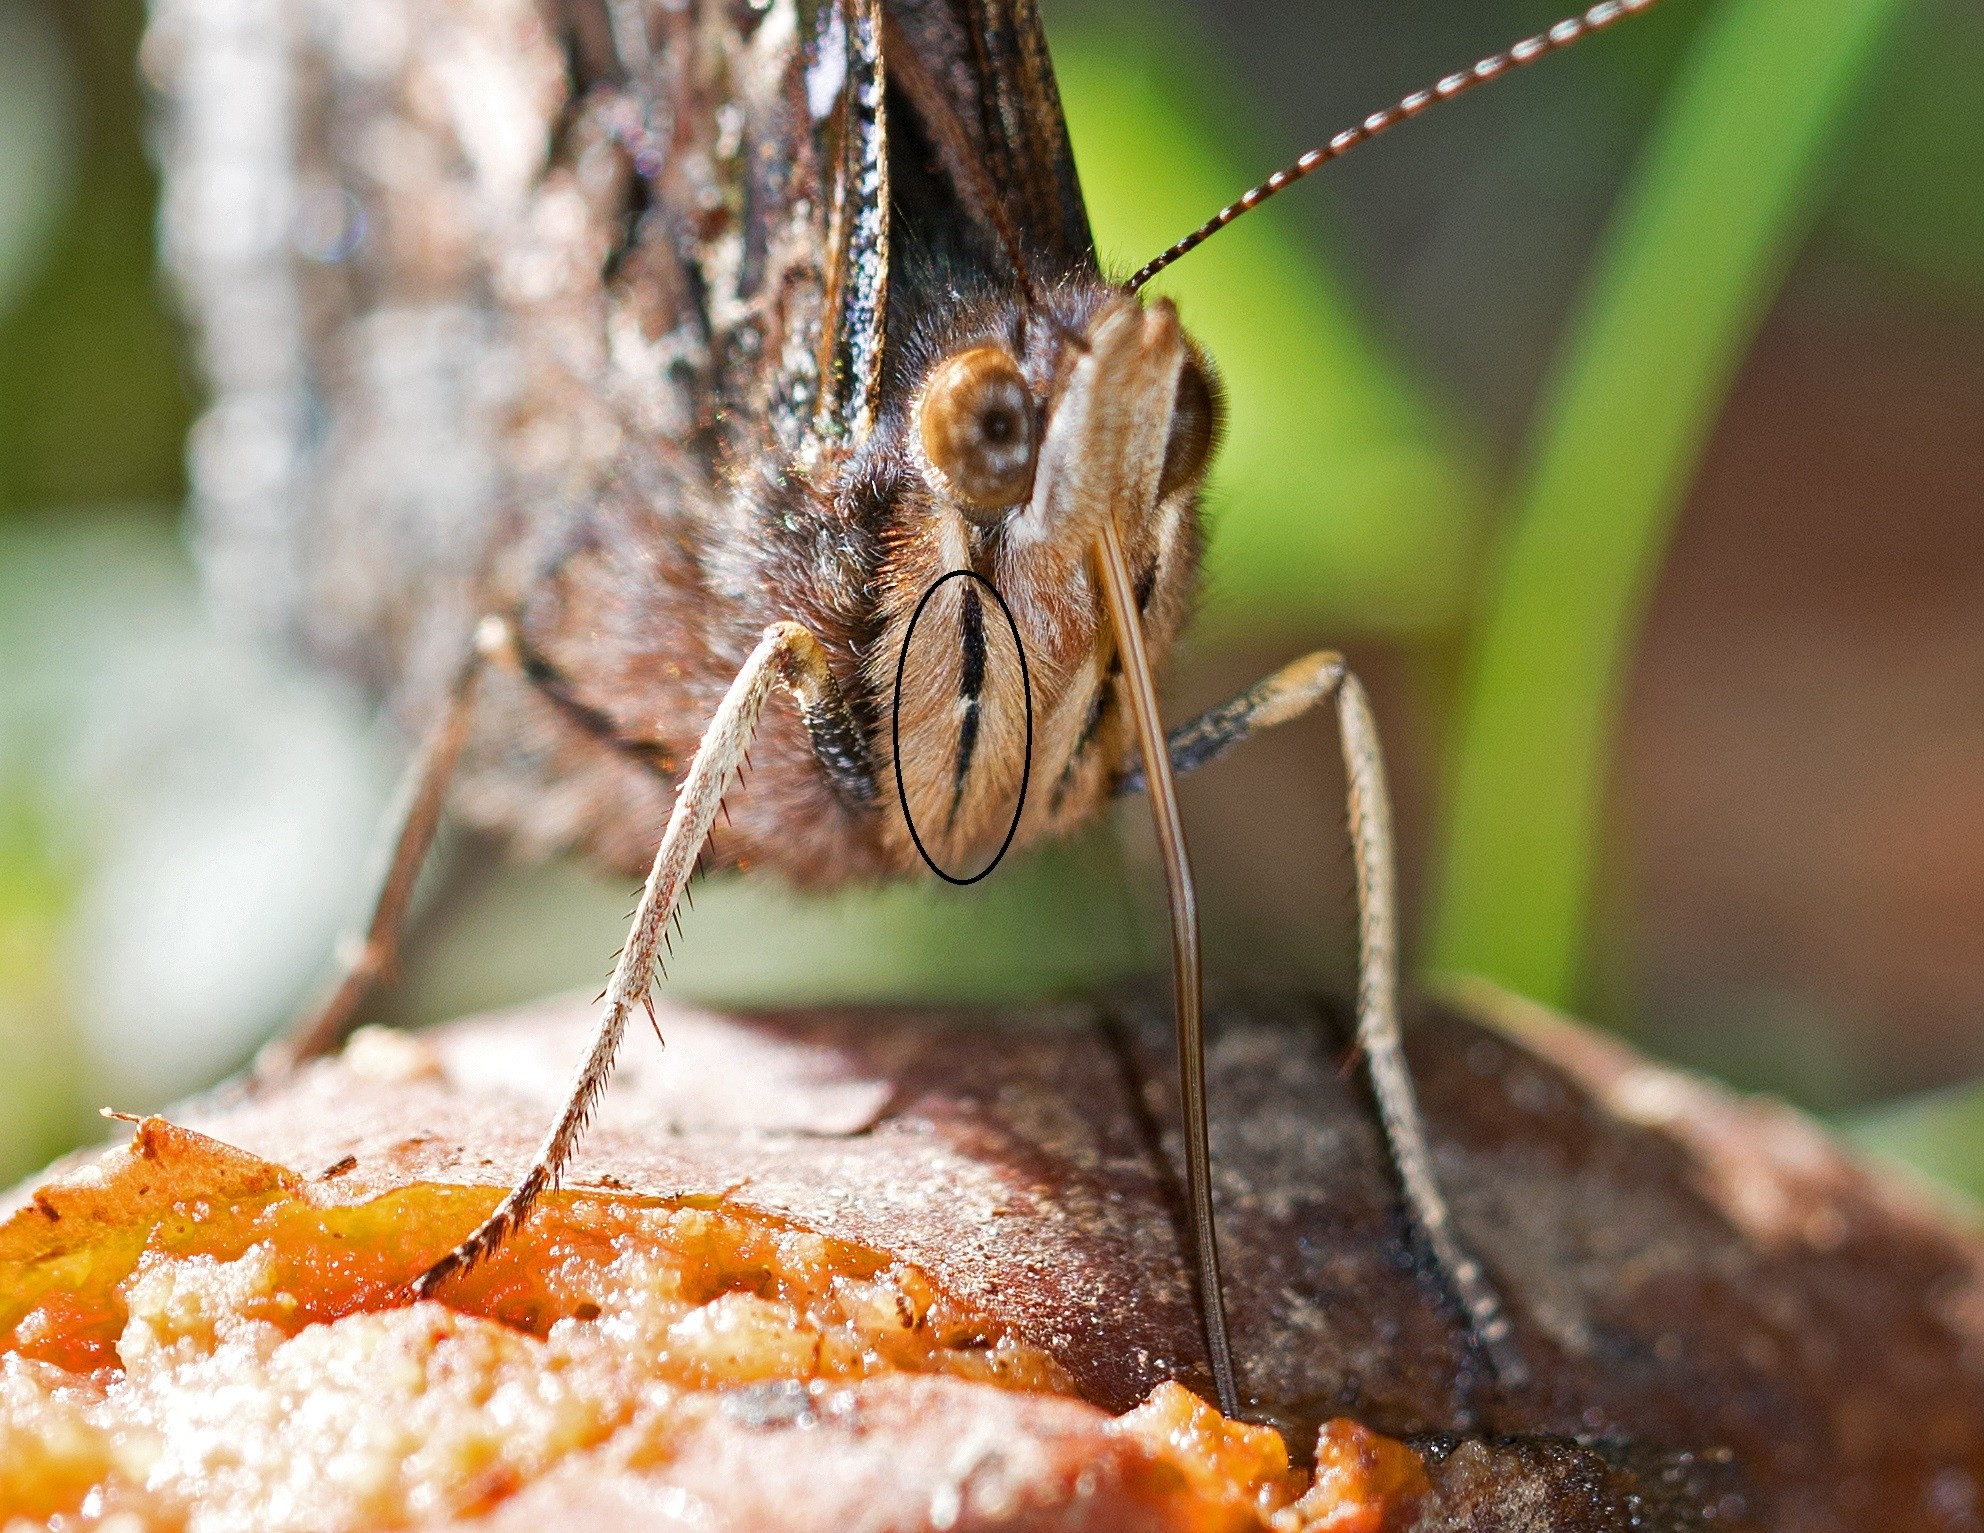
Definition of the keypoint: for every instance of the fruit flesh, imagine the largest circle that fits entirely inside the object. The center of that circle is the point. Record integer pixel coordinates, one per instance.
(197, 1340)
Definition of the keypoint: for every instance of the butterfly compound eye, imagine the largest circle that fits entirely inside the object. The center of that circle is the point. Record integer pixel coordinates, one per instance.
(1195, 422)
(978, 430)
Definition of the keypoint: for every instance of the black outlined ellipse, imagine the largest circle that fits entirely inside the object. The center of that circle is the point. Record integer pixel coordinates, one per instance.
(895, 727)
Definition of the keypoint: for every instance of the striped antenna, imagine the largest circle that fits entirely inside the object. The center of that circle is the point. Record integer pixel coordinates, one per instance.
(1528, 51)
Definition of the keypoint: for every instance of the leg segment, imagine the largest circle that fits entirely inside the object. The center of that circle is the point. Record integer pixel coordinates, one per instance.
(1289, 693)
(787, 655)
(838, 743)
(1286, 694)
(364, 958)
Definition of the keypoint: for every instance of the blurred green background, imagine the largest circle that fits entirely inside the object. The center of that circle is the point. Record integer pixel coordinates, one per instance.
(1622, 421)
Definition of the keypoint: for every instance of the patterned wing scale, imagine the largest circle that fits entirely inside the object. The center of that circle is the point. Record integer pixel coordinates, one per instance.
(858, 235)
(760, 138)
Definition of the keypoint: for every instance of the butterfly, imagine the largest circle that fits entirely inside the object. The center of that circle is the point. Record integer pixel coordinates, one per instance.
(634, 390)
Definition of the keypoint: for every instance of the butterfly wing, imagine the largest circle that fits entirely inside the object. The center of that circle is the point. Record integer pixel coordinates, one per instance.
(943, 113)
(766, 159)
(977, 97)
(360, 206)
(450, 265)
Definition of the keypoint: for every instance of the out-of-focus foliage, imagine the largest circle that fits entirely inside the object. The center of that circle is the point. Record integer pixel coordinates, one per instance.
(93, 406)
(1912, 188)
(38, 1087)
(37, 128)
(1063, 923)
(1342, 493)
(1705, 232)
(177, 825)
(1941, 1134)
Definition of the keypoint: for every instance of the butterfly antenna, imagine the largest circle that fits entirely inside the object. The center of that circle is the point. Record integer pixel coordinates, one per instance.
(1140, 692)
(1528, 51)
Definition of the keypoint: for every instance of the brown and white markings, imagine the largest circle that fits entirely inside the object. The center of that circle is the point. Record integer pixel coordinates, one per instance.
(587, 372)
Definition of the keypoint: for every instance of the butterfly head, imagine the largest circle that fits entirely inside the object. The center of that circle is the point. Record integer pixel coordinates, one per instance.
(1127, 386)
(1024, 431)
(1024, 426)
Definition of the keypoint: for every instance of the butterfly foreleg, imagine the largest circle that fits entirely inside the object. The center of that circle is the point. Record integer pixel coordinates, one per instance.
(1288, 693)
(787, 655)
(366, 957)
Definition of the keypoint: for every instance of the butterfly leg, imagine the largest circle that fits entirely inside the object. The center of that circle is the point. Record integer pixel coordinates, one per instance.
(1287, 694)
(366, 957)
(790, 656)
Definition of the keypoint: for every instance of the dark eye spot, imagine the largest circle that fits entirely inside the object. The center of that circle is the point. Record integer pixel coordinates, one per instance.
(976, 420)
(1195, 424)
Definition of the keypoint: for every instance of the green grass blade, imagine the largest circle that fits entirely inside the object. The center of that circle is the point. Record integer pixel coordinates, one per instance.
(1723, 195)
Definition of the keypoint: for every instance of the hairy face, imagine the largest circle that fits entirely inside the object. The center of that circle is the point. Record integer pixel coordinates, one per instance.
(1025, 428)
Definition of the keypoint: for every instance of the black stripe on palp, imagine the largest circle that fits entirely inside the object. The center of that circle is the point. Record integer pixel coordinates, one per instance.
(971, 688)
(1098, 708)
(1146, 587)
